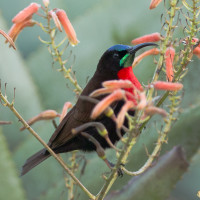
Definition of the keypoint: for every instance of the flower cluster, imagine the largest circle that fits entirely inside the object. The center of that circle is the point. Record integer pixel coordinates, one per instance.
(117, 90)
(169, 53)
(24, 19)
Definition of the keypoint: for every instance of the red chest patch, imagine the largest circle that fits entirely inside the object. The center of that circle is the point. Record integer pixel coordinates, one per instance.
(127, 74)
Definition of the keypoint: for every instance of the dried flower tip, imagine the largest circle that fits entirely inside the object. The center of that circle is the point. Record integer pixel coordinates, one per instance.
(117, 84)
(196, 51)
(154, 37)
(17, 28)
(101, 91)
(56, 20)
(154, 3)
(169, 58)
(104, 103)
(198, 193)
(26, 13)
(64, 20)
(121, 116)
(162, 85)
(143, 101)
(8, 38)
(137, 60)
(66, 106)
(46, 3)
(152, 110)
(45, 115)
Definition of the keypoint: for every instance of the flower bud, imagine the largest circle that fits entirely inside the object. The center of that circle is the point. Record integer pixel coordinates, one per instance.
(161, 85)
(154, 37)
(137, 60)
(64, 20)
(26, 13)
(169, 58)
(154, 4)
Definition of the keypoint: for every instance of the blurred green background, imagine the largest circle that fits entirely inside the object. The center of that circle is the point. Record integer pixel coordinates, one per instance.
(99, 24)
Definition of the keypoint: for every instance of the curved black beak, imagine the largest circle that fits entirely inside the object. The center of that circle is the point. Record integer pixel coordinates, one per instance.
(134, 49)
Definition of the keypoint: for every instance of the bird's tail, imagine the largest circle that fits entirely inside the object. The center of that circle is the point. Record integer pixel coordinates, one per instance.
(34, 160)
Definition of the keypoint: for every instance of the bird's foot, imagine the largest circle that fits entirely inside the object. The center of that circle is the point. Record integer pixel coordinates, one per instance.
(111, 166)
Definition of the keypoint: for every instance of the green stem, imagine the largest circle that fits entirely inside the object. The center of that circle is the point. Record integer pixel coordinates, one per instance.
(60, 161)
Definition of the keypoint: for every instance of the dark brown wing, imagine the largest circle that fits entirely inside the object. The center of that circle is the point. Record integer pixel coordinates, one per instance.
(78, 115)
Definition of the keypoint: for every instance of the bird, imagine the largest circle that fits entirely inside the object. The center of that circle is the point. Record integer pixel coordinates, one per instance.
(114, 64)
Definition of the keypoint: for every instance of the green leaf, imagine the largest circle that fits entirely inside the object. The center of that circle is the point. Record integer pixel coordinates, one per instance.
(157, 182)
(10, 183)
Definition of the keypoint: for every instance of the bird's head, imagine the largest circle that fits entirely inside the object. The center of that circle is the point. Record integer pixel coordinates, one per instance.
(117, 61)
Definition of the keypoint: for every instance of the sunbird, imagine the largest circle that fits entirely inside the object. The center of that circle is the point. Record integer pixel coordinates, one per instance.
(115, 64)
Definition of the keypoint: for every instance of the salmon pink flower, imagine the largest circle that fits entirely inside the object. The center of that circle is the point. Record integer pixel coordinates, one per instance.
(66, 106)
(143, 101)
(56, 20)
(107, 101)
(196, 52)
(154, 4)
(17, 28)
(121, 116)
(162, 85)
(26, 13)
(116, 84)
(137, 60)
(45, 115)
(101, 91)
(64, 20)
(154, 37)
(169, 58)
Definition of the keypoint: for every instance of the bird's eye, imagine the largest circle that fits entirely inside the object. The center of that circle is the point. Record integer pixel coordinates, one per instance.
(115, 55)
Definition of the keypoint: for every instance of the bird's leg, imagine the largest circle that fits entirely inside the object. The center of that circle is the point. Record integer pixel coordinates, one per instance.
(101, 153)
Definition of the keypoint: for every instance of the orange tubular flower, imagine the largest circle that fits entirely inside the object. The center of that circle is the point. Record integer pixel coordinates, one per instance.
(9, 39)
(196, 51)
(101, 91)
(45, 115)
(56, 20)
(154, 4)
(161, 85)
(64, 20)
(66, 106)
(151, 110)
(121, 116)
(154, 37)
(26, 13)
(104, 103)
(116, 84)
(17, 28)
(137, 60)
(143, 101)
(169, 57)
